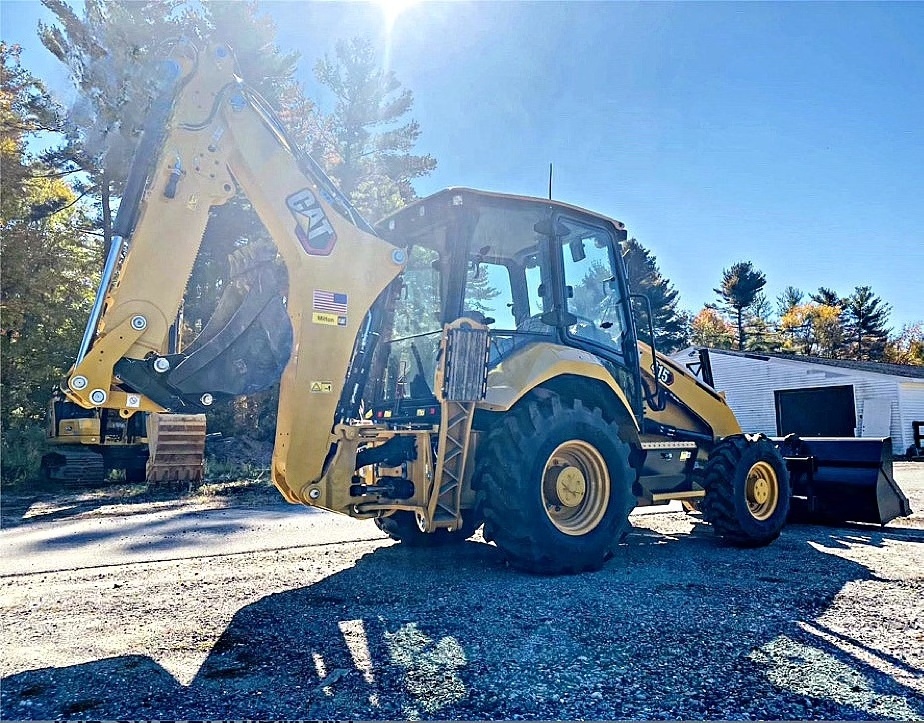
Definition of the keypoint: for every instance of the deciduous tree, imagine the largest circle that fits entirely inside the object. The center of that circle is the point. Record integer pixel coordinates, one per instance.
(812, 329)
(908, 346)
(709, 329)
(829, 322)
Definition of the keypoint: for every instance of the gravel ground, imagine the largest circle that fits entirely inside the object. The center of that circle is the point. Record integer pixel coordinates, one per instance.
(826, 623)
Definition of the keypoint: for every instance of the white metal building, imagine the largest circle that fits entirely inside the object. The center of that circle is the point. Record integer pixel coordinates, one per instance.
(781, 393)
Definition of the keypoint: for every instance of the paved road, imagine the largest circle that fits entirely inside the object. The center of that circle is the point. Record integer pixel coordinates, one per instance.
(179, 531)
(171, 532)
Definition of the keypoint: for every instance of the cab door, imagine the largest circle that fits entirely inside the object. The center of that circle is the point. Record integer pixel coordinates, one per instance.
(596, 296)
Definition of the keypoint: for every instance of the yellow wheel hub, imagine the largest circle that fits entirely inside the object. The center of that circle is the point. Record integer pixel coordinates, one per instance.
(570, 486)
(575, 487)
(762, 491)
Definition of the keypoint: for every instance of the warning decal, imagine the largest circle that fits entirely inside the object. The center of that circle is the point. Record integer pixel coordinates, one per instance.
(322, 387)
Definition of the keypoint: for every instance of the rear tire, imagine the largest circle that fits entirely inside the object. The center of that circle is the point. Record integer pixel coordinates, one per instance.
(747, 490)
(556, 487)
(402, 526)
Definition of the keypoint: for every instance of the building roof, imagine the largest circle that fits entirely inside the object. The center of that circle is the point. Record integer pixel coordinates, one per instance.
(897, 370)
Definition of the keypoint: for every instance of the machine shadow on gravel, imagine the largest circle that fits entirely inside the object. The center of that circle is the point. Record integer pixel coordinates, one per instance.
(673, 627)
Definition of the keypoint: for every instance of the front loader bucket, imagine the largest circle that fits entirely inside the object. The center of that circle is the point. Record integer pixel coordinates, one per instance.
(843, 479)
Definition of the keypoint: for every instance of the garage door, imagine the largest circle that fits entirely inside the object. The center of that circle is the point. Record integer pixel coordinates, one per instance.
(816, 412)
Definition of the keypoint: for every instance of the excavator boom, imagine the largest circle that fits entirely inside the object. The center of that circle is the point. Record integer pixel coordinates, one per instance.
(220, 139)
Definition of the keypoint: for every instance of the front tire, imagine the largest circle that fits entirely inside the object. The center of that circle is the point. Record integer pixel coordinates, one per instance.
(747, 490)
(556, 487)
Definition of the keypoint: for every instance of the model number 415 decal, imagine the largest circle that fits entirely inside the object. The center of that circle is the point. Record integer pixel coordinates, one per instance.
(314, 232)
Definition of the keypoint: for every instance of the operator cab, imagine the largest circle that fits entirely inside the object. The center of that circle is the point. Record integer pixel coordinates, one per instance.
(529, 269)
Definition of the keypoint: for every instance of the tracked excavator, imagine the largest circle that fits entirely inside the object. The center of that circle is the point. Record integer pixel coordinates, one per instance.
(471, 360)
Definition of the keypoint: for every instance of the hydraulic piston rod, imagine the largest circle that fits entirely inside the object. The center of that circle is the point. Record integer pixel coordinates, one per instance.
(108, 270)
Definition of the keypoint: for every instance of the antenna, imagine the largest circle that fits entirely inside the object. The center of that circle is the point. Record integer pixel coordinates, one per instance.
(550, 181)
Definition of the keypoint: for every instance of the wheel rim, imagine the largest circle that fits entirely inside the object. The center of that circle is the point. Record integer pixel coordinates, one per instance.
(762, 490)
(575, 487)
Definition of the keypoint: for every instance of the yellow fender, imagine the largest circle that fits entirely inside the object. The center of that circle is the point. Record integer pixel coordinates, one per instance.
(536, 364)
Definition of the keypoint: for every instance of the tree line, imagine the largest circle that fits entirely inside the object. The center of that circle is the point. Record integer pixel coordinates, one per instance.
(823, 323)
(63, 169)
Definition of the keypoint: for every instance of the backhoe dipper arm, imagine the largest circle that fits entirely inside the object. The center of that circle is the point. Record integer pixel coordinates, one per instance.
(221, 136)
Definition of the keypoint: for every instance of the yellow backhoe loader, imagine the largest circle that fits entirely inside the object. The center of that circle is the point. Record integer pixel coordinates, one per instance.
(472, 359)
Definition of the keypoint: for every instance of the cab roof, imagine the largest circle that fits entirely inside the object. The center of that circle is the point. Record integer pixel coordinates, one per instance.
(456, 196)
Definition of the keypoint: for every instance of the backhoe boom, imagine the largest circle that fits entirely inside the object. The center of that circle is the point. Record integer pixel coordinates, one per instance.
(220, 139)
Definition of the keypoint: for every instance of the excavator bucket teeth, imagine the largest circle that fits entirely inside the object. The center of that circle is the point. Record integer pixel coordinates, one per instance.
(844, 479)
(177, 447)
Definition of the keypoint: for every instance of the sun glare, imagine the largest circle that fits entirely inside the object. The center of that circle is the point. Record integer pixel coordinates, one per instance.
(392, 9)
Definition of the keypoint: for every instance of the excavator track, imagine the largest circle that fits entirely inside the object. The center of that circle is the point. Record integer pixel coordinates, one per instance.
(177, 447)
(74, 467)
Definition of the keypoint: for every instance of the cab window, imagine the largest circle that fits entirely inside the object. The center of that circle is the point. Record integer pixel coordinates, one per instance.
(592, 290)
(489, 292)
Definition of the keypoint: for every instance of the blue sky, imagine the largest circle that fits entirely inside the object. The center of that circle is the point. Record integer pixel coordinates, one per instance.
(787, 134)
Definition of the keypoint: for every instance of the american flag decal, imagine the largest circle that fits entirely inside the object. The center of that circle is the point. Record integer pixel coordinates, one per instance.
(330, 302)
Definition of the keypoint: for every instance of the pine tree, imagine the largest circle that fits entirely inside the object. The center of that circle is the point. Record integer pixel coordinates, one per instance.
(366, 145)
(671, 326)
(46, 292)
(761, 335)
(111, 51)
(740, 286)
(866, 318)
(108, 52)
(827, 297)
(790, 297)
(251, 34)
